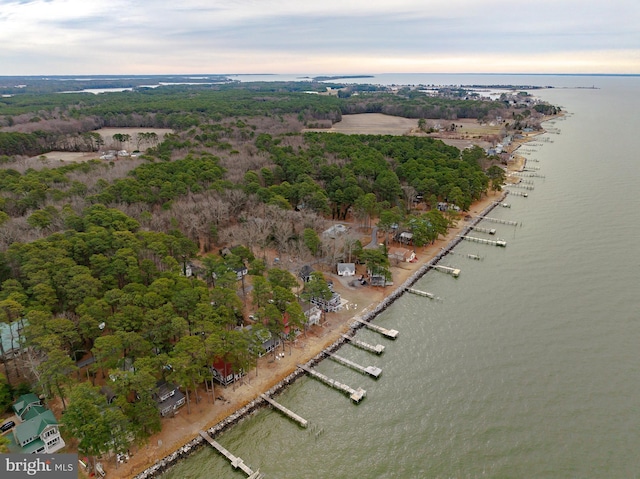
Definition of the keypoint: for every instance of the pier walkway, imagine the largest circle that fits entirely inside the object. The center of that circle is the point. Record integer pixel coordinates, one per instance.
(287, 412)
(389, 333)
(377, 349)
(236, 462)
(498, 220)
(419, 292)
(356, 395)
(372, 371)
(455, 272)
(485, 241)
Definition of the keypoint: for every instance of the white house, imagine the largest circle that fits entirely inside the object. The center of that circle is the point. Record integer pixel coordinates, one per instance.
(346, 269)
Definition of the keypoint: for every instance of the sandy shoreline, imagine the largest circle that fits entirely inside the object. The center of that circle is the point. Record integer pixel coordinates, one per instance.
(180, 435)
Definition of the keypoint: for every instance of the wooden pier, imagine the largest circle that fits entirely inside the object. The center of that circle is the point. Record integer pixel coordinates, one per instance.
(498, 220)
(455, 272)
(377, 349)
(372, 371)
(480, 229)
(485, 241)
(420, 293)
(519, 193)
(287, 412)
(356, 395)
(388, 333)
(236, 462)
(518, 185)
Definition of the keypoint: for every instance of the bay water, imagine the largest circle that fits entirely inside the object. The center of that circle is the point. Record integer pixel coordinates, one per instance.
(528, 366)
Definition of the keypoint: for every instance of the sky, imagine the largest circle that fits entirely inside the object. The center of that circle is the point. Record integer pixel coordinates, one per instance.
(138, 37)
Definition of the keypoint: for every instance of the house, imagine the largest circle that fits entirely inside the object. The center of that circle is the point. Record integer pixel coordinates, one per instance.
(38, 431)
(168, 398)
(405, 237)
(401, 254)
(24, 403)
(241, 272)
(224, 373)
(329, 305)
(305, 273)
(346, 269)
(268, 343)
(312, 313)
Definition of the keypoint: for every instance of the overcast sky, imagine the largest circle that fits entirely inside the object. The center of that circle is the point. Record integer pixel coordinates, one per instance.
(318, 36)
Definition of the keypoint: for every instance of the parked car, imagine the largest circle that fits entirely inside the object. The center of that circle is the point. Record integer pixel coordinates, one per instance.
(6, 426)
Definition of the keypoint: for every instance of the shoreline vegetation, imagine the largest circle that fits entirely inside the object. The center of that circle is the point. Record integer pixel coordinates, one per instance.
(94, 257)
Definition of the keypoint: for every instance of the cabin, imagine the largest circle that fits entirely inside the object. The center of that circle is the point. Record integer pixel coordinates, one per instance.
(305, 273)
(38, 431)
(346, 269)
(168, 398)
(400, 255)
(224, 373)
(405, 238)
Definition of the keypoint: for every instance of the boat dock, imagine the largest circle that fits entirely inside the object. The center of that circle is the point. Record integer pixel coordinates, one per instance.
(236, 462)
(519, 193)
(480, 229)
(356, 395)
(498, 220)
(389, 333)
(372, 371)
(377, 349)
(484, 241)
(287, 412)
(519, 185)
(420, 292)
(455, 272)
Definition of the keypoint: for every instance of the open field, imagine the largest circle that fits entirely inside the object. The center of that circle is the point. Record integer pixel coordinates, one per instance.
(468, 132)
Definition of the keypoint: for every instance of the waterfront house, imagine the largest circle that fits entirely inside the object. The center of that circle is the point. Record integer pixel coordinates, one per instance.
(224, 373)
(168, 398)
(401, 254)
(312, 313)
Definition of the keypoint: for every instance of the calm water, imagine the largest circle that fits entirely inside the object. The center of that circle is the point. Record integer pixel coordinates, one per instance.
(528, 367)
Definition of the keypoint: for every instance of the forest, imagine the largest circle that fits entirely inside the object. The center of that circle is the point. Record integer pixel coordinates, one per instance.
(94, 255)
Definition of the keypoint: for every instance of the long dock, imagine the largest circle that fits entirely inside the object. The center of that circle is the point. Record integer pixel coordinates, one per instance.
(236, 462)
(372, 371)
(519, 193)
(419, 292)
(356, 395)
(455, 272)
(377, 349)
(389, 333)
(519, 185)
(485, 241)
(498, 220)
(287, 412)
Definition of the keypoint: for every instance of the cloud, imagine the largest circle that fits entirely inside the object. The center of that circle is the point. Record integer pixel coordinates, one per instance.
(123, 36)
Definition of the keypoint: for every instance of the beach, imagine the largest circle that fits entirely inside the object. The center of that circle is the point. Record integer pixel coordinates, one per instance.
(361, 301)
